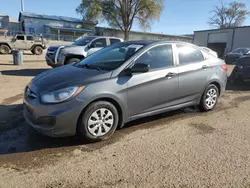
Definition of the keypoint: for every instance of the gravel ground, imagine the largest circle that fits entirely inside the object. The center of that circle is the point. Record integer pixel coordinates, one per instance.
(184, 148)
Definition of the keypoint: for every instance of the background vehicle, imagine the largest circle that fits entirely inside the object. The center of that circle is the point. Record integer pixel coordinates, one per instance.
(23, 42)
(210, 51)
(230, 58)
(120, 83)
(242, 69)
(81, 48)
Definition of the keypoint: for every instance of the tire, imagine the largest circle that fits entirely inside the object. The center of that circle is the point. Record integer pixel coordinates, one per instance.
(209, 102)
(72, 60)
(4, 49)
(38, 50)
(91, 128)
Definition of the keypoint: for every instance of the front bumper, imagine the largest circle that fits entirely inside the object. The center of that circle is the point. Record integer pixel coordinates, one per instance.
(51, 62)
(55, 120)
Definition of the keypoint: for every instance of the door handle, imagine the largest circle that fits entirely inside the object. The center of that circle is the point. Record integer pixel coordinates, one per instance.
(171, 74)
(204, 67)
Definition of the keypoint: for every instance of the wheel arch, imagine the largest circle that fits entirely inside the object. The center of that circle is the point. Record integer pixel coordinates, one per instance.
(216, 82)
(118, 105)
(4, 43)
(71, 56)
(35, 45)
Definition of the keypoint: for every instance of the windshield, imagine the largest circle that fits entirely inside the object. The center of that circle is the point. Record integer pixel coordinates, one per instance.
(83, 41)
(241, 50)
(111, 57)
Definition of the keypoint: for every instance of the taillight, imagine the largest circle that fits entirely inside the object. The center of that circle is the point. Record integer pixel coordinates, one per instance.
(224, 67)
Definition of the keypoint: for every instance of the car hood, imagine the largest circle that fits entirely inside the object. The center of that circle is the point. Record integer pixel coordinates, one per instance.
(73, 47)
(233, 54)
(66, 76)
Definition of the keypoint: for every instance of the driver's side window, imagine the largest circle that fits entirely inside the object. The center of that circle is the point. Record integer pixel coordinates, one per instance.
(157, 57)
(19, 37)
(99, 43)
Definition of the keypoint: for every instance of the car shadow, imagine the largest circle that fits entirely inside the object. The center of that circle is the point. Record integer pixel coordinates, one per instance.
(23, 72)
(17, 136)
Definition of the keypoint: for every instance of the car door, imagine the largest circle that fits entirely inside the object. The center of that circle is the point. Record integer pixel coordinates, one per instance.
(29, 42)
(20, 42)
(194, 72)
(156, 89)
(97, 44)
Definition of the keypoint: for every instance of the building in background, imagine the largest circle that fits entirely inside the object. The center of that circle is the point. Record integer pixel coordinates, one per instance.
(8, 25)
(55, 27)
(138, 35)
(223, 40)
(69, 29)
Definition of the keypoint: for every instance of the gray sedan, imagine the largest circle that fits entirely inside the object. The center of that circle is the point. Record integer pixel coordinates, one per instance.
(120, 83)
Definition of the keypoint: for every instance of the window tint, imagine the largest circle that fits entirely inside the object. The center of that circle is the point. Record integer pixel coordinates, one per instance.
(157, 57)
(112, 41)
(112, 57)
(30, 38)
(188, 54)
(19, 37)
(100, 43)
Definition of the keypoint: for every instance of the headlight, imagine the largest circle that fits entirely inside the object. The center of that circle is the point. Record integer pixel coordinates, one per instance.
(63, 51)
(61, 94)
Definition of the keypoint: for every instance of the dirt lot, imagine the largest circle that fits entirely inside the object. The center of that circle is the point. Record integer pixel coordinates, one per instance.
(184, 148)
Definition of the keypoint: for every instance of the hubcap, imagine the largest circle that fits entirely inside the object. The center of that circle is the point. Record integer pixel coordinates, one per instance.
(100, 122)
(211, 98)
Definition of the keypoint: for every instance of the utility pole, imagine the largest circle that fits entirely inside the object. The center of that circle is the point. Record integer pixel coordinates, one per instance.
(22, 6)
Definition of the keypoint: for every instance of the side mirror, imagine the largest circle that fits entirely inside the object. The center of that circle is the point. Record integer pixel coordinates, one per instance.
(139, 68)
(13, 39)
(91, 45)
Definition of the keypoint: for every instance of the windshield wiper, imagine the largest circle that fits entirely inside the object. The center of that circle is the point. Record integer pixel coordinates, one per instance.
(88, 66)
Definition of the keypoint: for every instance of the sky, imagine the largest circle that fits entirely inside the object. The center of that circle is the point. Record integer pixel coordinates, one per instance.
(178, 16)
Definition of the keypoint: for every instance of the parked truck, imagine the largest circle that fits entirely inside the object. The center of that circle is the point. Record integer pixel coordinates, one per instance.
(23, 42)
(81, 48)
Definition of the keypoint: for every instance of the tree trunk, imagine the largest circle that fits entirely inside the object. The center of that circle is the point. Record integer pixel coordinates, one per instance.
(126, 35)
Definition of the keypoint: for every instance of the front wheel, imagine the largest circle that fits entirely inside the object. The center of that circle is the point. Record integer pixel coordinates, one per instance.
(98, 122)
(209, 98)
(72, 60)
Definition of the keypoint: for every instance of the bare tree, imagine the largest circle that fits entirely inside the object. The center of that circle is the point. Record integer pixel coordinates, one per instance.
(122, 13)
(228, 16)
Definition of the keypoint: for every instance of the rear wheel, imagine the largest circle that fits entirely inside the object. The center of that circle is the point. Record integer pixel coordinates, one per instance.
(209, 98)
(98, 122)
(72, 60)
(4, 49)
(38, 50)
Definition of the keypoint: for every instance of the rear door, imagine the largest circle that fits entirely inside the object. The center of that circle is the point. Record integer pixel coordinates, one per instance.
(98, 44)
(156, 89)
(194, 72)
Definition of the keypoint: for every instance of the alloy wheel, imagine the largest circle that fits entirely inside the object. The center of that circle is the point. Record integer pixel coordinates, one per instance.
(100, 122)
(211, 98)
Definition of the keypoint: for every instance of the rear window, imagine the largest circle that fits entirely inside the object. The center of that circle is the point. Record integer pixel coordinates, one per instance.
(30, 38)
(188, 54)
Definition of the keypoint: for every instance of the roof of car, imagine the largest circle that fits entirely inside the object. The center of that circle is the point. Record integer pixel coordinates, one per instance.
(149, 42)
